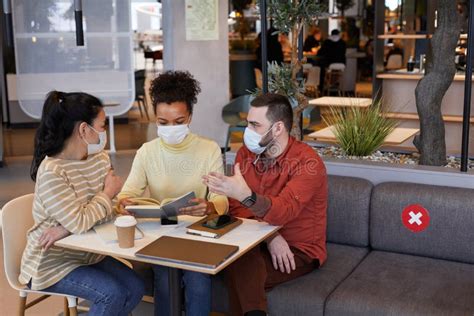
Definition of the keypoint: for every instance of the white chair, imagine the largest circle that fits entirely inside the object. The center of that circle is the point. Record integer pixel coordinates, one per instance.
(394, 62)
(313, 76)
(17, 219)
(333, 81)
(337, 66)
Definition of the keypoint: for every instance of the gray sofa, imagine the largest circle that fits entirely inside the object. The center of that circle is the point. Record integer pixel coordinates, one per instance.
(427, 273)
(375, 265)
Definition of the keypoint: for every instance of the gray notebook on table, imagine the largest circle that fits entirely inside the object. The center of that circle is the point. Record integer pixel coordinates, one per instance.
(169, 209)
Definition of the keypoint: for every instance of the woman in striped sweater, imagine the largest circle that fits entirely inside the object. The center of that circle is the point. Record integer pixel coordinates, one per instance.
(74, 190)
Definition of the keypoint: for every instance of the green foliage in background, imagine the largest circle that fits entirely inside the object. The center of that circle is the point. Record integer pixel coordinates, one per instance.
(286, 14)
(360, 131)
(279, 81)
(289, 16)
(344, 5)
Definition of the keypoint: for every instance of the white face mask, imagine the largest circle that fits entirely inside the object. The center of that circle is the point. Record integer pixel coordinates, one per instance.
(173, 134)
(97, 148)
(252, 140)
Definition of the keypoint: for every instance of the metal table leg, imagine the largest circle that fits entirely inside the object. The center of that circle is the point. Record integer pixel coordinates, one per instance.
(176, 295)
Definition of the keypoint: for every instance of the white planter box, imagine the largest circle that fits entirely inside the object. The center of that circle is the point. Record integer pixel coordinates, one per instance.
(384, 172)
(377, 172)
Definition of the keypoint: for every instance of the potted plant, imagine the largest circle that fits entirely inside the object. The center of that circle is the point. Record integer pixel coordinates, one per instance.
(343, 5)
(360, 131)
(289, 17)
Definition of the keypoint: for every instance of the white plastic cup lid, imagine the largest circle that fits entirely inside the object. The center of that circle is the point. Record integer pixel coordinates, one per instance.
(125, 221)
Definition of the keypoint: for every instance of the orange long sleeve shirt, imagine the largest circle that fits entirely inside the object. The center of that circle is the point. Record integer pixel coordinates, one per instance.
(294, 187)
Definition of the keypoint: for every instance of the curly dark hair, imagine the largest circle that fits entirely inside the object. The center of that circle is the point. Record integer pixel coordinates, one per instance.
(175, 86)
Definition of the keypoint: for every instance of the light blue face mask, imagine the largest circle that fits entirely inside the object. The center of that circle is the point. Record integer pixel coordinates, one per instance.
(97, 148)
(252, 140)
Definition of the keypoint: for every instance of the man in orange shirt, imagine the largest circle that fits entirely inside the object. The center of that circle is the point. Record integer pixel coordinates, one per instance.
(281, 181)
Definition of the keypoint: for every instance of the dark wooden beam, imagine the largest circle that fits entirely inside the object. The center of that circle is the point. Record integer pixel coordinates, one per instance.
(467, 90)
(263, 44)
(3, 86)
(432, 5)
(378, 66)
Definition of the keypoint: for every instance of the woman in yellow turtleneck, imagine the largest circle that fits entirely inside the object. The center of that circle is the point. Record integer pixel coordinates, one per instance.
(172, 165)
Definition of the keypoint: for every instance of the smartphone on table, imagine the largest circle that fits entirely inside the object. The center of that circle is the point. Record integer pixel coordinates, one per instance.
(219, 221)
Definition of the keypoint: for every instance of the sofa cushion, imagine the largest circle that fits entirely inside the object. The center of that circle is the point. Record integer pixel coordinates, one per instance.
(396, 284)
(450, 234)
(307, 294)
(348, 210)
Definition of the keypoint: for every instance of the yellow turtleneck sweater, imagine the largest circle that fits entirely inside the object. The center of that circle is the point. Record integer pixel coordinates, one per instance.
(170, 171)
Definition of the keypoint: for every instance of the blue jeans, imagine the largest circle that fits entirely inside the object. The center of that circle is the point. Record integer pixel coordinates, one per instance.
(197, 292)
(111, 287)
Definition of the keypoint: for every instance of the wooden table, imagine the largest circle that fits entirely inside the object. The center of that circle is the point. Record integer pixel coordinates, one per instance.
(341, 102)
(396, 137)
(248, 235)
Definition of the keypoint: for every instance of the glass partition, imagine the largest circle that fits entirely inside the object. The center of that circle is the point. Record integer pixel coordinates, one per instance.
(47, 57)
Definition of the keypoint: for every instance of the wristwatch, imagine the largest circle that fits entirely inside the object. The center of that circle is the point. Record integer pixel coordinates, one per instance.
(249, 201)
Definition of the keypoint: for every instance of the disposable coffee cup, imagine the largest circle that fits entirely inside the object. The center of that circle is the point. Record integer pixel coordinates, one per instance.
(126, 231)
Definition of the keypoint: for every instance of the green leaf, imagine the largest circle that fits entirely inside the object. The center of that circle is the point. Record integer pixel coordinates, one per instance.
(288, 13)
(279, 81)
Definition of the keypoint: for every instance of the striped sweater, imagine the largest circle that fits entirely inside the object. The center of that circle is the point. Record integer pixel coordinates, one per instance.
(67, 193)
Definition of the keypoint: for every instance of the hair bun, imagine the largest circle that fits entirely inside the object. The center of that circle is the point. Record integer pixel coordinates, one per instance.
(60, 96)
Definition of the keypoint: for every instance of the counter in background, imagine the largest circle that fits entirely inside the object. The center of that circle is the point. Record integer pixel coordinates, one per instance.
(415, 75)
(399, 95)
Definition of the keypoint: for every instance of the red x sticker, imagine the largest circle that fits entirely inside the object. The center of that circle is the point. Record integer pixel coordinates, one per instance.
(416, 218)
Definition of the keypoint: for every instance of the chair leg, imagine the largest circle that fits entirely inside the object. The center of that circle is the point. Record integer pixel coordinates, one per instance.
(142, 107)
(227, 141)
(146, 63)
(66, 307)
(22, 303)
(145, 106)
(72, 305)
(139, 107)
(73, 311)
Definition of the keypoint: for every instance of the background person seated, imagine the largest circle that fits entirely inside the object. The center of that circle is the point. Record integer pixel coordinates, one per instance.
(312, 41)
(394, 59)
(283, 182)
(274, 48)
(333, 49)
